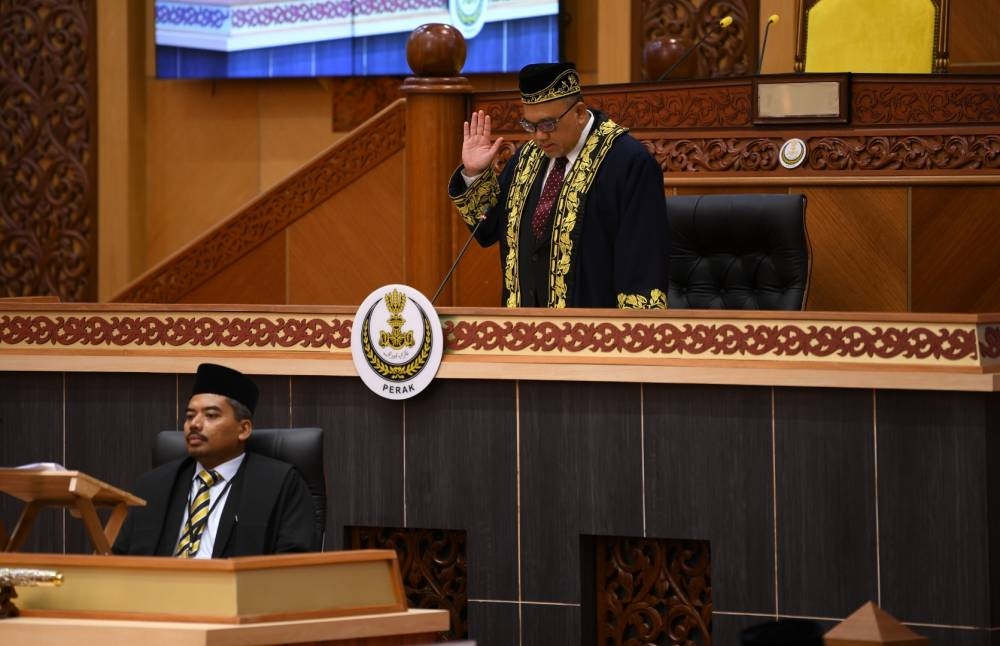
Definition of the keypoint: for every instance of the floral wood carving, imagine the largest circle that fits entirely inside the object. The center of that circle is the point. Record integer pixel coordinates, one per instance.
(728, 52)
(358, 98)
(724, 340)
(849, 153)
(276, 209)
(175, 331)
(48, 230)
(653, 591)
(901, 103)
(717, 339)
(433, 565)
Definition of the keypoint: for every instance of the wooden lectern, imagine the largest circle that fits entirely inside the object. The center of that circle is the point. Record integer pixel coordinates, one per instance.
(76, 491)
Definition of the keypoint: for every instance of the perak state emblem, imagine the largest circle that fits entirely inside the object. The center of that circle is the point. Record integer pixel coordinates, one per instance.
(396, 342)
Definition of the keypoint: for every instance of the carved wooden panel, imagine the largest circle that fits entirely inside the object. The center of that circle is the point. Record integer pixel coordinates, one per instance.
(728, 52)
(433, 565)
(48, 115)
(653, 591)
(358, 98)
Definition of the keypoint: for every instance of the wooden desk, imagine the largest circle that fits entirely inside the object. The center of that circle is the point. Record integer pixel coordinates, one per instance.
(408, 627)
(78, 492)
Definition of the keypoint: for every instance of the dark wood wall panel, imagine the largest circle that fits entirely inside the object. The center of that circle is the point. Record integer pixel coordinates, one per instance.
(461, 473)
(724, 434)
(825, 498)
(932, 478)
(856, 233)
(364, 451)
(580, 455)
(111, 420)
(956, 245)
(707, 475)
(48, 149)
(31, 430)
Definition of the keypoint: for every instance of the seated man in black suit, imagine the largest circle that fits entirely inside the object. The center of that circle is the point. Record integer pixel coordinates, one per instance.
(219, 501)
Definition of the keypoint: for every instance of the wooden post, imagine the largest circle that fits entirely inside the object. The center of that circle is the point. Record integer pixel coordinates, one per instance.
(436, 106)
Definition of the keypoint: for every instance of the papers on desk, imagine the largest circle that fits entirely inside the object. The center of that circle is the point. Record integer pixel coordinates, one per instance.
(42, 466)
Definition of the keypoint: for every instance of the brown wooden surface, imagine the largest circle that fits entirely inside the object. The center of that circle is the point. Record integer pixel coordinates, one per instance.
(858, 240)
(435, 112)
(975, 46)
(78, 492)
(956, 246)
(409, 627)
(906, 131)
(258, 277)
(351, 243)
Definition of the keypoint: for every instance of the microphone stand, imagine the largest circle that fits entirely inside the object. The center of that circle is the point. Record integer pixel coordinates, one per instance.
(691, 49)
(767, 29)
(458, 259)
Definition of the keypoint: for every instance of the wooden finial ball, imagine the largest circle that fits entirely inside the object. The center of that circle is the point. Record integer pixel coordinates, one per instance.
(660, 53)
(436, 49)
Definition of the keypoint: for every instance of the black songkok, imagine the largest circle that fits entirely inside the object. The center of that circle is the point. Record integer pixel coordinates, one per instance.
(220, 380)
(541, 82)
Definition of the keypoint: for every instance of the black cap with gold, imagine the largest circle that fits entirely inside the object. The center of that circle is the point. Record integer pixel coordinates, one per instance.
(541, 82)
(220, 380)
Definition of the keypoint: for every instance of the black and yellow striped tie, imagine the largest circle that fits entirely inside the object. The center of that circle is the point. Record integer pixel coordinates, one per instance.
(187, 547)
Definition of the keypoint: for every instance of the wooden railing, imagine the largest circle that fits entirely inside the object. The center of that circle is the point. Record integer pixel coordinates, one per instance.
(901, 196)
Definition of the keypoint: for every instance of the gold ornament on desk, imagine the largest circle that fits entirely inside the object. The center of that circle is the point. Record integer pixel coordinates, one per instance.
(9, 577)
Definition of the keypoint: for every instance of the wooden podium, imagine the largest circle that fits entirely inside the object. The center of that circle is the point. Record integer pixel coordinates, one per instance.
(77, 491)
(351, 597)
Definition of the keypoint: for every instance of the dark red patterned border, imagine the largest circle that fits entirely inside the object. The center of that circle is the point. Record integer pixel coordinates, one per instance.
(723, 340)
(989, 347)
(175, 331)
(627, 338)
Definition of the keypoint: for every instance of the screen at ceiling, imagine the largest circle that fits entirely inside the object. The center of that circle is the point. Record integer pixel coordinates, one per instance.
(301, 38)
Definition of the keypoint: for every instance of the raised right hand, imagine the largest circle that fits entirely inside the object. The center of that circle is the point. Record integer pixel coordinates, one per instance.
(477, 150)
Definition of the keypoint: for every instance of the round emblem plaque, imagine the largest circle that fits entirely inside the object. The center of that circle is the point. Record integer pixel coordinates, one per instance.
(396, 342)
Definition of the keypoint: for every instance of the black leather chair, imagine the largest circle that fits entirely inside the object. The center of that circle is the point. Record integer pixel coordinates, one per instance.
(738, 251)
(301, 447)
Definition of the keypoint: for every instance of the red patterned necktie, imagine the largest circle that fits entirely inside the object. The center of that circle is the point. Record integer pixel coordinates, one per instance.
(540, 218)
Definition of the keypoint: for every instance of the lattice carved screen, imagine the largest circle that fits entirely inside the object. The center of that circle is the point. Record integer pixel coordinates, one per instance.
(729, 52)
(48, 116)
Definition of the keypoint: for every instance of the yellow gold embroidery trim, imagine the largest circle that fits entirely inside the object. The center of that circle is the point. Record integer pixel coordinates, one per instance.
(480, 197)
(657, 300)
(566, 84)
(581, 176)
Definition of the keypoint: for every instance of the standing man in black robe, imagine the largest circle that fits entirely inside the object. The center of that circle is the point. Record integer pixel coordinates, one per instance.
(579, 209)
(254, 505)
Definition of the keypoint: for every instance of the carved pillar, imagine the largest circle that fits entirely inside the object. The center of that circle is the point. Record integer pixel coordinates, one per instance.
(436, 106)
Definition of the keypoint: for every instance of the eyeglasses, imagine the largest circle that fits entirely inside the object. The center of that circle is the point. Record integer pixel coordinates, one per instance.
(545, 125)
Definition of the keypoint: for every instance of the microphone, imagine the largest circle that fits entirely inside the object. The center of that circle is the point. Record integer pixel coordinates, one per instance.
(773, 18)
(458, 258)
(722, 24)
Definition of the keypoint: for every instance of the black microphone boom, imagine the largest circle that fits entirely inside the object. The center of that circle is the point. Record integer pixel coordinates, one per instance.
(773, 18)
(458, 259)
(722, 24)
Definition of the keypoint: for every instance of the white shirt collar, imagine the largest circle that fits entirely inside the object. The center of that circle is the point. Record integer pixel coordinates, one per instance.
(227, 469)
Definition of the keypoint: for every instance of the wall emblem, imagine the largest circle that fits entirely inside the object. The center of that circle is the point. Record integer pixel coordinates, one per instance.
(396, 342)
(793, 153)
(468, 16)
